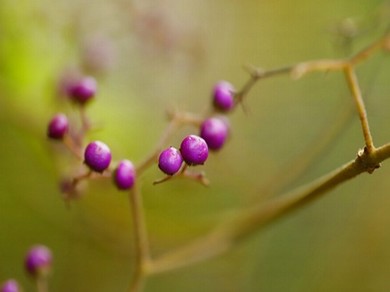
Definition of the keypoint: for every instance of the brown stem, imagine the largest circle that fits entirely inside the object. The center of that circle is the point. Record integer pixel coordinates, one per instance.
(251, 220)
(72, 147)
(142, 264)
(152, 157)
(356, 92)
(42, 285)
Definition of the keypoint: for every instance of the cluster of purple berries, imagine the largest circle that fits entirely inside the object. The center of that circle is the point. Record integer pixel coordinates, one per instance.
(214, 131)
(97, 155)
(194, 149)
(38, 262)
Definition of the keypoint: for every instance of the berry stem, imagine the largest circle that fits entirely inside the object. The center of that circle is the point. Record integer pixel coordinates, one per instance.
(198, 177)
(41, 284)
(152, 157)
(177, 119)
(81, 177)
(161, 180)
(257, 74)
(142, 253)
(72, 147)
(85, 124)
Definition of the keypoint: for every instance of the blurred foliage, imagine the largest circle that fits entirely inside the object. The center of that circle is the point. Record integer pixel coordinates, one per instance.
(150, 56)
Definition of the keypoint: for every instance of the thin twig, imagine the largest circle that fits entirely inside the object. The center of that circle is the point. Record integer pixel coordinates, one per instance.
(85, 124)
(300, 69)
(72, 147)
(76, 180)
(152, 157)
(142, 253)
(367, 52)
(252, 219)
(357, 95)
(41, 283)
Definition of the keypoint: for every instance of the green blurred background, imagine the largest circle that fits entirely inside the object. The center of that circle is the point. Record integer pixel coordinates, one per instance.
(156, 55)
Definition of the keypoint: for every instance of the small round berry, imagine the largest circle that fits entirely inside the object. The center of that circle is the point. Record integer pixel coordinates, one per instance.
(194, 150)
(97, 156)
(170, 161)
(10, 286)
(82, 90)
(214, 131)
(124, 175)
(38, 261)
(223, 96)
(58, 127)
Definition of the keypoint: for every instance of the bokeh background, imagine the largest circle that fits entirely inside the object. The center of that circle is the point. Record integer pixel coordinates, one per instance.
(149, 56)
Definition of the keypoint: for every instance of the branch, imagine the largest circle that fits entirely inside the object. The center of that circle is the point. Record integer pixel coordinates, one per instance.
(353, 83)
(253, 219)
(300, 69)
(141, 241)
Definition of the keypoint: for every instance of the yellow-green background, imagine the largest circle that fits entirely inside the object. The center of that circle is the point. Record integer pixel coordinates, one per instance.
(339, 243)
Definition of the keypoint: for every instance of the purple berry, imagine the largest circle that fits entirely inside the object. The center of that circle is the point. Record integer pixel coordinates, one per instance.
(214, 131)
(170, 161)
(10, 286)
(223, 96)
(124, 175)
(82, 90)
(58, 127)
(97, 156)
(194, 150)
(38, 260)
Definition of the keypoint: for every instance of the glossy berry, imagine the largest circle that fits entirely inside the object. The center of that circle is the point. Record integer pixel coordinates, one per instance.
(97, 156)
(124, 175)
(170, 161)
(58, 127)
(223, 96)
(194, 150)
(38, 261)
(10, 286)
(82, 90)
(214, 131)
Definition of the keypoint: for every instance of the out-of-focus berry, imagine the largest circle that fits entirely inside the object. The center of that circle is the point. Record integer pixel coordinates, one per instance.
(223, 96)
(10, 286)
(38, 261)
(82, 90)
(214, 131)
(124, 175)
(58, 127)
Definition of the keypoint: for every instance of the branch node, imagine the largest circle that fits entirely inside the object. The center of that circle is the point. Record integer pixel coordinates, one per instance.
(365, 158)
